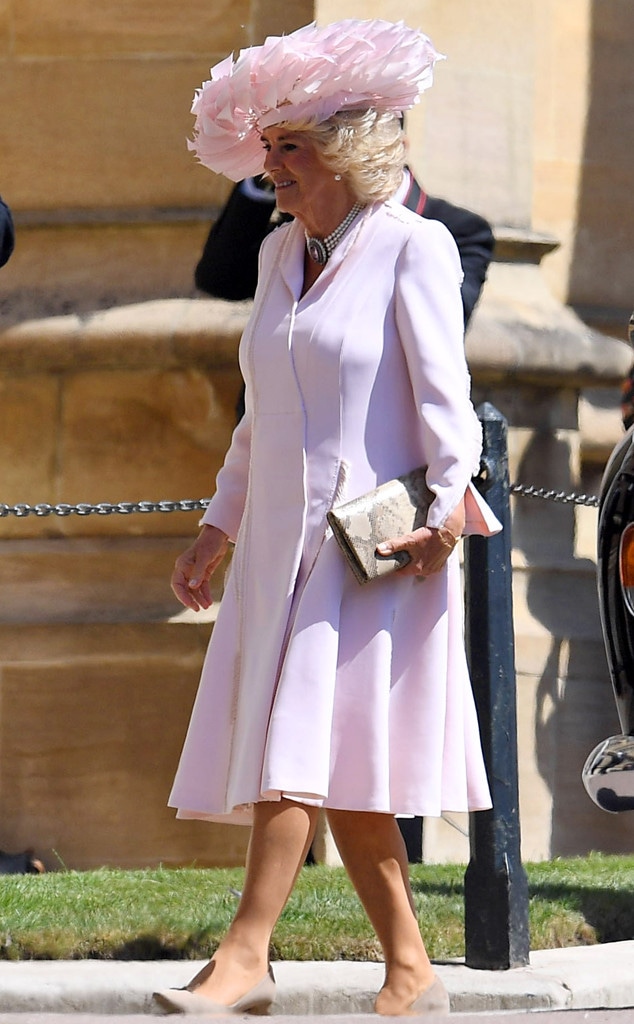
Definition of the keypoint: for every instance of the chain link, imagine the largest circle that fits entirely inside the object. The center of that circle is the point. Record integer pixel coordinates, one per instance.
(528, 491)
(106, 508)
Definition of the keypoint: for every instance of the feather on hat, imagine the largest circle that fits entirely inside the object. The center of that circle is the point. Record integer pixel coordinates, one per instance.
(308, 74)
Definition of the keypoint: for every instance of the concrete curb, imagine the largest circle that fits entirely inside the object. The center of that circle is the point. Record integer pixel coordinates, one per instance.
(583, 977)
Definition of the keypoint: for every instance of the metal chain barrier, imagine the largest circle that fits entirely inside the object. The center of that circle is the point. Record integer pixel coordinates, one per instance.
(528, 491)
(106, 508)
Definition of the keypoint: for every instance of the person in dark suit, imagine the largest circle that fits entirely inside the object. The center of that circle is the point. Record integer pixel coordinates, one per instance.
(7, 235)
(228, 266)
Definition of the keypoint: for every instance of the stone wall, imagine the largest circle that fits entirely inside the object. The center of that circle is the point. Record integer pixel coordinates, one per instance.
(99, 664)
(529, 123)
(110, 205)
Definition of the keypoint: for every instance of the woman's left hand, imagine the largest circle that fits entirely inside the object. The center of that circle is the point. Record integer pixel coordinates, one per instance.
(428, 548)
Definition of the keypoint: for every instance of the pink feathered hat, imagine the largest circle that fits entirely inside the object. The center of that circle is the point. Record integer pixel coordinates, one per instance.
(311, 73)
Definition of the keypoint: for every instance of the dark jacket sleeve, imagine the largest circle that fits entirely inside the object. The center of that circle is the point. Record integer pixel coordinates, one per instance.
(228, 267)
(475, 242)
(7, 235)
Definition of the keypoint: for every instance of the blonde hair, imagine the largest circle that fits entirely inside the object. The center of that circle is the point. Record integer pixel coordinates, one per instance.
(366, 147)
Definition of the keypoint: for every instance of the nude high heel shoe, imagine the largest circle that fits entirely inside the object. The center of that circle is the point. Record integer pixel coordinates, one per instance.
(432, 1000)
(181, 1000)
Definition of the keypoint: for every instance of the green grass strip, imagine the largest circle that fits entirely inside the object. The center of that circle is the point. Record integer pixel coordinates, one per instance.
(182, 914)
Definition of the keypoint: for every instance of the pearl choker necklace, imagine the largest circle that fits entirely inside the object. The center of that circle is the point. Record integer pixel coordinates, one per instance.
(321, 250)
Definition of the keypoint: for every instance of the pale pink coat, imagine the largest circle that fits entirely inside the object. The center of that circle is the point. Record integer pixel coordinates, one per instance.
(314, 687)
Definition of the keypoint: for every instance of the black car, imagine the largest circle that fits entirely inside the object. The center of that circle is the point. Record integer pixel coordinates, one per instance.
(608, 773)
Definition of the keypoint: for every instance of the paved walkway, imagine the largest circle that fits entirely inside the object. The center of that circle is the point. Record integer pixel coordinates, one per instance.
(577, 978)
(503, 1017)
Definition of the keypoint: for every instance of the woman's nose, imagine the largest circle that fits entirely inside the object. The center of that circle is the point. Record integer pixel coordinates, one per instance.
(271, 161)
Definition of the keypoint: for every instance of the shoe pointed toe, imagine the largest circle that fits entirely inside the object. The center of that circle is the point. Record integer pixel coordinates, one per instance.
(181, 1000)
(434, 999)
(256, 1001)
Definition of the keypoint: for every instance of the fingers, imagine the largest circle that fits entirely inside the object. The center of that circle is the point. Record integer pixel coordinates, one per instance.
(197, 600)
(194, 568)
(428, 549)
(191, 591)
(405, 543)
(190, 580)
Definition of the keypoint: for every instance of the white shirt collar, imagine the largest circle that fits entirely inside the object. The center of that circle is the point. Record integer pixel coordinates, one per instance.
(401, 193)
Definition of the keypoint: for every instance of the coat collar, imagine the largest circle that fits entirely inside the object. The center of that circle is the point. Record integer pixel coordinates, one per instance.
(294, 248)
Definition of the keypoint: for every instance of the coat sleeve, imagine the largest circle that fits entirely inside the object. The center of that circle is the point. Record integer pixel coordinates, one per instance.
(226, 508)
(429, 320)
(227, 505)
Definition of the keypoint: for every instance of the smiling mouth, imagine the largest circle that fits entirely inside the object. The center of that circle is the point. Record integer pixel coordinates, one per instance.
(283, 184)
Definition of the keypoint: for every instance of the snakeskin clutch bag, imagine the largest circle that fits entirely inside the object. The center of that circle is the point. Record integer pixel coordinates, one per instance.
(396, 507)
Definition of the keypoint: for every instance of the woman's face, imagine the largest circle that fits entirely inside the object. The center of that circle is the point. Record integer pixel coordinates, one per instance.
(304, 186)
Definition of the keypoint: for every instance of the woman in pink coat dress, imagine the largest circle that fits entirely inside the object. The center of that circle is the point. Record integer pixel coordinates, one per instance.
(318, 692)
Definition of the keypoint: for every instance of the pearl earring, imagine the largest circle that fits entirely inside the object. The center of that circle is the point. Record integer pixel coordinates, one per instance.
(337, 177)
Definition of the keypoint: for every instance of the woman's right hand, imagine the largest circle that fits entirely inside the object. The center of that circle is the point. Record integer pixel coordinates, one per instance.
(195, 567)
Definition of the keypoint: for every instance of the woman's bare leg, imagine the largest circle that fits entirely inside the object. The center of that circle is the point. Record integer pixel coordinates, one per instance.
(280, 839)
(374, 855)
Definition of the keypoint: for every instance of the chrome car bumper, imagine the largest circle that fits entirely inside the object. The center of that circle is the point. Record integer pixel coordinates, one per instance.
(608, 774)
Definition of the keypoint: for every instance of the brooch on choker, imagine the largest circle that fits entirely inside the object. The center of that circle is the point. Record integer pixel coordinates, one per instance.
(320, 250)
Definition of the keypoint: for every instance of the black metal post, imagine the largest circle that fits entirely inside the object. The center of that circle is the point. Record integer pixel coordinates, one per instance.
(496, 887)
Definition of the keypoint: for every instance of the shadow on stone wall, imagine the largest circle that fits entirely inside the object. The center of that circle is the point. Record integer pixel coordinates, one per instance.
(602, 266)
